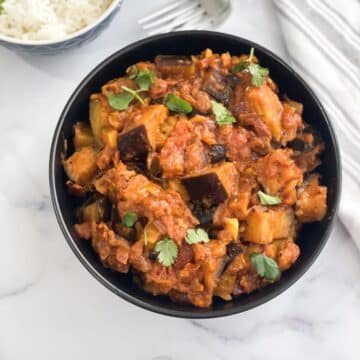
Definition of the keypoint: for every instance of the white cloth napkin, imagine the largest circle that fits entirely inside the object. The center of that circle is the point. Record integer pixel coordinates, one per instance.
(323, 43)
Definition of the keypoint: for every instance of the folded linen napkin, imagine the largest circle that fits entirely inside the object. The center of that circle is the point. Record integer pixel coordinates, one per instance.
(323, 43)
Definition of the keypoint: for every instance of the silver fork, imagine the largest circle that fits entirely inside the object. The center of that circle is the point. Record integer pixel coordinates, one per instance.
(186, 14)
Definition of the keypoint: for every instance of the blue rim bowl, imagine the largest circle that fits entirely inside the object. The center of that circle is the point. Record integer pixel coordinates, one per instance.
(53, 47)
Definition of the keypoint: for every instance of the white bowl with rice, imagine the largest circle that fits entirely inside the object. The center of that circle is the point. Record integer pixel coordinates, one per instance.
(50, 26)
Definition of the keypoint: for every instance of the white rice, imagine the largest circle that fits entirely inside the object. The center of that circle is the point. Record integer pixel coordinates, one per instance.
(48, 19)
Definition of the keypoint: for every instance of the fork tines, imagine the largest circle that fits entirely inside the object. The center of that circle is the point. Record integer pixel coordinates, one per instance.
(174, 16)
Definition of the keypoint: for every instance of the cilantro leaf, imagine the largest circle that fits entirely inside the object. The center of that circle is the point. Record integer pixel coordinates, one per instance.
(244, 64)
(240, 67)
(265, 266)
(177, 104)
(222, 115)
(195, 236)
(120, 101)
(1, 6)
(251, 54)
(144, 79)
(266, 199)
(123, 100)
(129, 219)
(167, 250)
(134, 93)
(258, 73)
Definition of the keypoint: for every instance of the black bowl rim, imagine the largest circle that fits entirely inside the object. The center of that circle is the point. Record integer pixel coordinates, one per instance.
(155, 308)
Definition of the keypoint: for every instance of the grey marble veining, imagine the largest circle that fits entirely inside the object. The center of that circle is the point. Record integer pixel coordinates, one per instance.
(51, 308)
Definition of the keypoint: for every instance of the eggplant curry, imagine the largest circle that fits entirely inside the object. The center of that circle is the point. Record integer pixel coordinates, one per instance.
(195, 175)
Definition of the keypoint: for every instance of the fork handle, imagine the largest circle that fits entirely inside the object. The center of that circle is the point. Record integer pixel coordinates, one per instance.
(215, 7)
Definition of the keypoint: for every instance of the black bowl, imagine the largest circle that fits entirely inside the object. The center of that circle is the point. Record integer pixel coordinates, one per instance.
(312, 237)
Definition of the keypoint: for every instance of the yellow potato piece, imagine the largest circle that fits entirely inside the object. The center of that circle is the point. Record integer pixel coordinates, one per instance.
(98, 113)
(81, 166)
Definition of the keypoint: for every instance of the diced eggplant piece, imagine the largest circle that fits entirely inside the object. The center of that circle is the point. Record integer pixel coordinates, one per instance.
(97, 211)
(174, 65)
(76, 189)
(83, 136)
(213, 230)
(134, 145)
(233, 249)
(98, 114)
(226, 284)
(233, 80)
(126, 232)
(221, 266)
(212, 186)
(81, 166)
(153, 255)
(217, 153)
(297, 144)
(219, 86)
(309, 160)
(136, 142)
(138, 166)
(203, 214)
(153, 166)
(143, 220)
(207, 188)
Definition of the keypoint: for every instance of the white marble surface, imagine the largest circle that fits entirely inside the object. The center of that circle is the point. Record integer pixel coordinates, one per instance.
(51, 308)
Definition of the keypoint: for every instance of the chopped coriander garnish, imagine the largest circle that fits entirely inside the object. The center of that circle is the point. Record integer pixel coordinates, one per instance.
(134, 93)
(196, 236)
(244, 64)
(258, 72)
(251, 55)
(129, 219)
(266, 199)
(144, 79)
(265, 266)
(123, 100)
(240, 67)
(167, 250)
(222, 115)
(177, 104)
(120, 101)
